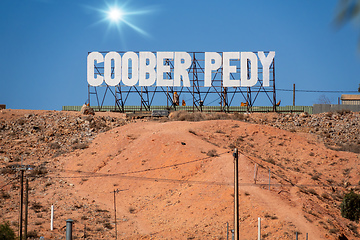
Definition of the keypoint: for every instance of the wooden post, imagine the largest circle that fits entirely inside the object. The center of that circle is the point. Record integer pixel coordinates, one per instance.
(26, 207)
(294, 94)
(21, 204)
(269, 178)
(115, 213)
(227, 231)
(255, 173)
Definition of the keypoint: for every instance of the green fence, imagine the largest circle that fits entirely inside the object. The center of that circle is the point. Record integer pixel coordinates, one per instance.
(308, 109)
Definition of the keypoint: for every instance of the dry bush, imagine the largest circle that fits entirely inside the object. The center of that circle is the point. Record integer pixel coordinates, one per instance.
(316, 176)
(270, 160)
(38, 171)
(131, 210)
(187, 116)
(101, 210)
(8, 170)
(239, 116)
(54, 145)
(346, 171)
(232, 145)
(36, 206)
(220, 131)
(343, 112)
(192, 132)
(354, 229)
(217, 116)
(80, 146)
(108, 225)
(312, 191)
(32, 234)
(4, 195)
(348, 147)
(325, 196)
(202, 116)
(212, 153)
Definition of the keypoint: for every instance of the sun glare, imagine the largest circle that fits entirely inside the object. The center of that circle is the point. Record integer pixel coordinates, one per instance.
(120, 17)
(115, 14)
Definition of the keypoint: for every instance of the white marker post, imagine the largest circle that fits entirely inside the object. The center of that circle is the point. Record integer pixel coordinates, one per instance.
(52, 218)
(259, 228)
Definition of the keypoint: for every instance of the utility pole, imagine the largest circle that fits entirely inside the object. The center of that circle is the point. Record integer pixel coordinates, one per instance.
(26, 207)
(21, 202)
(236, 194)
(294, 94)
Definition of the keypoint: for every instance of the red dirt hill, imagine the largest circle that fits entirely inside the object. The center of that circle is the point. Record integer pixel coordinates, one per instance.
(175, 178)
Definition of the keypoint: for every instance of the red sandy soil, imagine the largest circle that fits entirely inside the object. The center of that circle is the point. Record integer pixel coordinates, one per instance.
(175, 180)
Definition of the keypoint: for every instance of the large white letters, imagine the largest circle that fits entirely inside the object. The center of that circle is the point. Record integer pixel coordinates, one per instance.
(172, 68)
(134, 69)
(251, 57)
(266, 62)
(117, 68)
(210, 66)
(145, 69)
(228, 69)
(92, 57)
(180, 69)
(161, 68)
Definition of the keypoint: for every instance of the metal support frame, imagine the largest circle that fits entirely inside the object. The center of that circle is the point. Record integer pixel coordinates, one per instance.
(199, 95)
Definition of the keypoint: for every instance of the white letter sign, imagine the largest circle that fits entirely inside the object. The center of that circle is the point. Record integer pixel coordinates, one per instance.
(171, 69)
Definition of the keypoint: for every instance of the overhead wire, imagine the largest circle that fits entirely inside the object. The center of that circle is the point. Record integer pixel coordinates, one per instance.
(126, 174)
(138, 171)
(11, 181)
(316, 91)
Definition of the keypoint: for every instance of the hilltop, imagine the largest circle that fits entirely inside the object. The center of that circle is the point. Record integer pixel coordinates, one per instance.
(175, 177)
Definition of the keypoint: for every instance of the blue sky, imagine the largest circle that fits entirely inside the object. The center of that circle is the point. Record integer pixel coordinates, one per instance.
(44, 43)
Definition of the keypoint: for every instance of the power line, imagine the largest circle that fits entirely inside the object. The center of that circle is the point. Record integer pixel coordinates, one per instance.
(316, 91)
(138, 171)
(12, 180)
(128, 176)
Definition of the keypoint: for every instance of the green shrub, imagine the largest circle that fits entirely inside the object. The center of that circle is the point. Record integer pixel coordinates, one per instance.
(350, 206)
(6, 232)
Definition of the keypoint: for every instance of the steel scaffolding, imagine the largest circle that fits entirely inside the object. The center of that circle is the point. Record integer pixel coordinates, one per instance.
(199, 95)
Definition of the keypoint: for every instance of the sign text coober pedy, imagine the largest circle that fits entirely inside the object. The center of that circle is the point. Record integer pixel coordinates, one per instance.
(147, 69)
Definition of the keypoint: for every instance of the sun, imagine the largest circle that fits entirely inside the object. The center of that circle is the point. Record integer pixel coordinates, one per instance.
(121, 17)
(115, 14)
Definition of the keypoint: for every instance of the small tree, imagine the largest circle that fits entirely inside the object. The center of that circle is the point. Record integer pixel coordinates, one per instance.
(350, 206)
(323, 100)
(6, 232)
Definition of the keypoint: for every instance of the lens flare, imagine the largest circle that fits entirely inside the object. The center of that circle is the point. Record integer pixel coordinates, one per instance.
(120, 18)
(115, 14)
